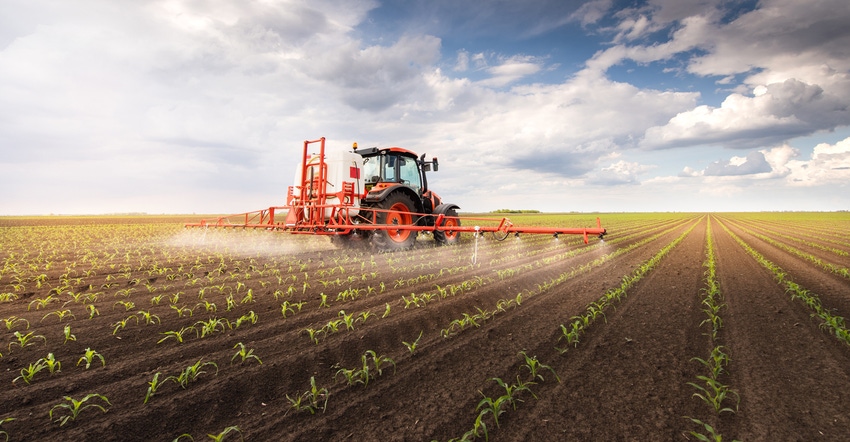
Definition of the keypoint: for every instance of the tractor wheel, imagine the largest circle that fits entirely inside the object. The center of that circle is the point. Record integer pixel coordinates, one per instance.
(445, 236)
(397, 209)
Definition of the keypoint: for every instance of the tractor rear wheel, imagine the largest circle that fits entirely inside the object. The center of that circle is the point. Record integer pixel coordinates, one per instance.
(396, 209)
(444, 235)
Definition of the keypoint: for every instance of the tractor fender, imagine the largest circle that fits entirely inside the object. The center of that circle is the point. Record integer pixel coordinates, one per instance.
(373, 198)
(445, 207)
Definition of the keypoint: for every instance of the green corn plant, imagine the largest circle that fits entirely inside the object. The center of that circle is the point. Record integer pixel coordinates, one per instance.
(192, 372)
(153, 385)
(713, 436)
(29, 372)
(182, 311)
(386, 311)
(212, 325)
(121, 324)
(411, 347)
(149, 317)
(347, 319)
(714, 394)
(26, 340)
(68, 335)
(310, 400)
(61, 314)
(128, 305)
(12, 320)
(248, 317)
(534, 366)
(210, 307)
(220, 436)
(75, 407)
(314, 334)
(42, 302)
(4, 421)
(52, 364)
(244, 353)
(89, 356)
(178, 335)
(93, 311)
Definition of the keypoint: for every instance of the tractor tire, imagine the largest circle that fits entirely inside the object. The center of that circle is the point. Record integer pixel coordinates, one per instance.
(445, 236)
(399, 210)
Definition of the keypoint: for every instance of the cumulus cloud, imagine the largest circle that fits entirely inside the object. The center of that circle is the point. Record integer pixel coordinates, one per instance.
(829, 164)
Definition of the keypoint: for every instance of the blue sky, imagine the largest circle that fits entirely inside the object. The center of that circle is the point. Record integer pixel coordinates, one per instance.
(556, 105)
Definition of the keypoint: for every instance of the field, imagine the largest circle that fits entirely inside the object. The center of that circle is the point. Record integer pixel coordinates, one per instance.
(675, 327)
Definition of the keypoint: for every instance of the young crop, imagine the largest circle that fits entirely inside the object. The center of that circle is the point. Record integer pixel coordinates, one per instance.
(192, 372)
(366, 372)
(75, 407)
(68, 335)
(61, 314)
(153, 385)
(4, 421)
(29, 372)
(89, 356)
(248, 317)
(212, 325)
(534, 366)
(128, 305)
(26, 340)
(182, 311)
(121, 324)
(312, 400)
(149, 317)
(244, 353)
(411, 346)
(93, 311)
(52, 364)
(220, 436)
(12, 320)
(178, 335)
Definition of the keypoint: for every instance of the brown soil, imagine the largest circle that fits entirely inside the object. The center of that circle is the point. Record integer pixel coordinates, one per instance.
(627, 378)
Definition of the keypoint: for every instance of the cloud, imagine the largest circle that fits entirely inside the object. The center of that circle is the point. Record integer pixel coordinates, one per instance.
(829, 165)
(753, 163)
(619, 173)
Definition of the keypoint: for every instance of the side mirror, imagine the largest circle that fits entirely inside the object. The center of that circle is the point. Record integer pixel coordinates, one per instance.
(426, 167)
(436, 164)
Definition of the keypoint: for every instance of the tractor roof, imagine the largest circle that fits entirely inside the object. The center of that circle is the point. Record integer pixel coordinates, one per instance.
(369, 151)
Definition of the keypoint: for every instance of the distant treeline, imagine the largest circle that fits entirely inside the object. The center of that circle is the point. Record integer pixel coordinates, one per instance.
(514, 211)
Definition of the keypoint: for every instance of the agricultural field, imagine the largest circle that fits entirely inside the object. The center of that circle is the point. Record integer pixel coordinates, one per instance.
(675, 327)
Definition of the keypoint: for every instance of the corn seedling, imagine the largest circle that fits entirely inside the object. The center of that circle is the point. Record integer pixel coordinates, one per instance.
(212, 325)
(52, 364)
(220, 436)
(149, 317)
(29, 372)
(121, 324)
(89, 356)
(248, 317)
(411, 346)
(93, 311)
(68, 335)
(12, 320)
(128, 305)
(75, 407)
(177, 335)
(4, 421)
(534, 366)
(712, 436)
(153, 385)
(310, 400)
(714, 393)
(61, 314)
(192, 372)
(244, 354)
(26, 340)
(386, 311)
(182, 311)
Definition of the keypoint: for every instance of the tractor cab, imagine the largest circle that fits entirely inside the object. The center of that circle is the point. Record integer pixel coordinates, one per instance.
(388, 167)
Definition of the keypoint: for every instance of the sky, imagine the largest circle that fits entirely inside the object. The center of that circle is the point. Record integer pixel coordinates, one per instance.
(202, 106)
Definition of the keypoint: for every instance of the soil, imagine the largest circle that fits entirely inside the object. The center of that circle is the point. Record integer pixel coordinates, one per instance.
(626, 379)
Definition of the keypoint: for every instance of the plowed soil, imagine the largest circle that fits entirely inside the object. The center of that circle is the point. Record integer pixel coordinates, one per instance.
(626, 379)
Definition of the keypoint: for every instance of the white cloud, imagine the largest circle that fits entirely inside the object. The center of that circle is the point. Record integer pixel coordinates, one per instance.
(829, 165)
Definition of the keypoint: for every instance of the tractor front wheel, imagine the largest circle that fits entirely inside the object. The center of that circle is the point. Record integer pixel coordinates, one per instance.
(396, 210)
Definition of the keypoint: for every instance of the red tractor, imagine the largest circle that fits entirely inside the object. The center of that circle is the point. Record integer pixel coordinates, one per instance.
(376, 196)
